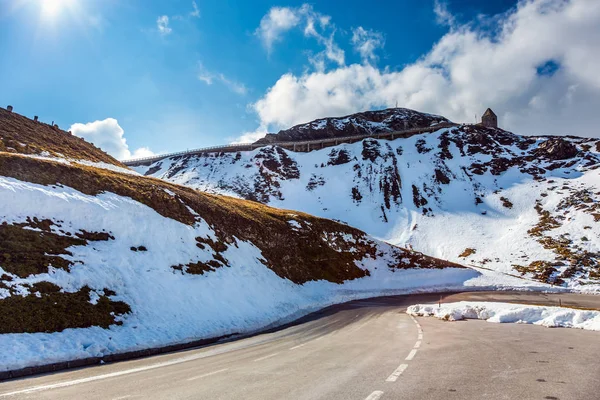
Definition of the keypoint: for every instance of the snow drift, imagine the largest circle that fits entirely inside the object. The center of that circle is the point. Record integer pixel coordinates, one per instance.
(511, 313)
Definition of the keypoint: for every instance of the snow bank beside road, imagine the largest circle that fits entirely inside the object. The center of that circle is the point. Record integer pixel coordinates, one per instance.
(516, 313)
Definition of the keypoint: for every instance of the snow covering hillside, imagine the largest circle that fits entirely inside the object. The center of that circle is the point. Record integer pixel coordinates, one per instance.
(96, 262)
(474, 195)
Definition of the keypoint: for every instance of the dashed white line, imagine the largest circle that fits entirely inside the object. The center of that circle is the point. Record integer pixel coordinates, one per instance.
(375, 395)
(418, 344)
(411, 355)
(300, 345)
(106, 376)
(394, 376)
(420, 337)
(265, 357)
(207, 374)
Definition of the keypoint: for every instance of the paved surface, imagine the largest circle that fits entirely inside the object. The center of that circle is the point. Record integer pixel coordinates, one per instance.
(366, 349)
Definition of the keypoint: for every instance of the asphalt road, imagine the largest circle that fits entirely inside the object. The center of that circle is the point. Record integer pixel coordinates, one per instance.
(361, 350)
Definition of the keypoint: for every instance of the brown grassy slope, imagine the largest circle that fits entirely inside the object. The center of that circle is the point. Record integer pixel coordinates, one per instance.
(19, 134)
(300, 256)
(54, 311)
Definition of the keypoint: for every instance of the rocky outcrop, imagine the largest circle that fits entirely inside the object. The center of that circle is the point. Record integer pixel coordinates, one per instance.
(364, 123)
(557, 149)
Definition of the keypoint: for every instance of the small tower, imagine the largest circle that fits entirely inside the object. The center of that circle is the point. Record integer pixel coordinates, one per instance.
(9, 108)
(489, 119)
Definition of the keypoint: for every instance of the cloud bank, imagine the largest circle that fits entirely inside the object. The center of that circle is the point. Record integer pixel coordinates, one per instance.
(499, 62)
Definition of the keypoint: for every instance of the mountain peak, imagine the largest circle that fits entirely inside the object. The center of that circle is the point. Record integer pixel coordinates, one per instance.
(362, 123)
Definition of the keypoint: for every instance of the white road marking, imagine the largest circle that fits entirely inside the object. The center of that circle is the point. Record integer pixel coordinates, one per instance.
(180, 360)
(111, 375)
(375, 395)
(265, 357)
(420, 337)
(208, 374)
(300, 345)
(394, 376)
(411, 355)
(418, 344)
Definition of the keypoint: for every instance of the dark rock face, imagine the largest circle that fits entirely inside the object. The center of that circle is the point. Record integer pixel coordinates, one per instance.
(364, 123)
(557, 149)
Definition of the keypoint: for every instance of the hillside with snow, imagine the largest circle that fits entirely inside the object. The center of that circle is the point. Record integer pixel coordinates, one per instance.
(526, 206)
(97, 260)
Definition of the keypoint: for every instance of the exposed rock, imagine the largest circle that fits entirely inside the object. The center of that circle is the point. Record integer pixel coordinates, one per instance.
(364, 123)
(556, 149)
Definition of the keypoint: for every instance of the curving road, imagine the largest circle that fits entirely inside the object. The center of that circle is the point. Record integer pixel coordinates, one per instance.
(367, 349)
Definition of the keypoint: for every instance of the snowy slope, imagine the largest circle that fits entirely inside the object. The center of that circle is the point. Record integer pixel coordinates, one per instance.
(520, 205)
(94, 262)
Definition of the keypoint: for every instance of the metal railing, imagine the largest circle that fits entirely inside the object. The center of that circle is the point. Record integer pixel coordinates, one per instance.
(290, 144)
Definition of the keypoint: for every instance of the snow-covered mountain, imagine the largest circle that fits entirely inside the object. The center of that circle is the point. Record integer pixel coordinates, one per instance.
(483, 196)
(96, 259)
(364, 123)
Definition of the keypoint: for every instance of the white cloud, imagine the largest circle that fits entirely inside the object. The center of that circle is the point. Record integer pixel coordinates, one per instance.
(142, 152)
(316, 25)
(468, 70)
(366, 42)
(275, 23)
(109, 136)
(442, 15)
(250, 137)
(162, 24)
(196, 11)
(209, 78)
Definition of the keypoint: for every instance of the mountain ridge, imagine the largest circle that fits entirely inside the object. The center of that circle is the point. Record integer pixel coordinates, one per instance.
(362, 123)
(543, 187)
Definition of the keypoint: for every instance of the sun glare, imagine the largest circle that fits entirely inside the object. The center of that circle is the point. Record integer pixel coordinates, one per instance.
(52, 8)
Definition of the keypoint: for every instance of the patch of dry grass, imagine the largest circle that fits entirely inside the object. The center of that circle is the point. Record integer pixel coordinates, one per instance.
(467, 252)
(54, 311)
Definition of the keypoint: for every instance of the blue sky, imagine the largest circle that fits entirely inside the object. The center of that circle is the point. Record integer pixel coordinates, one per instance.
(180, 74)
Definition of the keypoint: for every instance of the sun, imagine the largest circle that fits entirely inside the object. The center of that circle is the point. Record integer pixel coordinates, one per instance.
(52, 8)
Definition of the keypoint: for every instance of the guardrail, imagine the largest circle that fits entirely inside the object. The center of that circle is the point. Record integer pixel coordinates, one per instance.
(294, 146)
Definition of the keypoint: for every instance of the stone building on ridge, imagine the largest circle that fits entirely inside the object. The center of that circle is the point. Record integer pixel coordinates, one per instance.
(489, 119)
